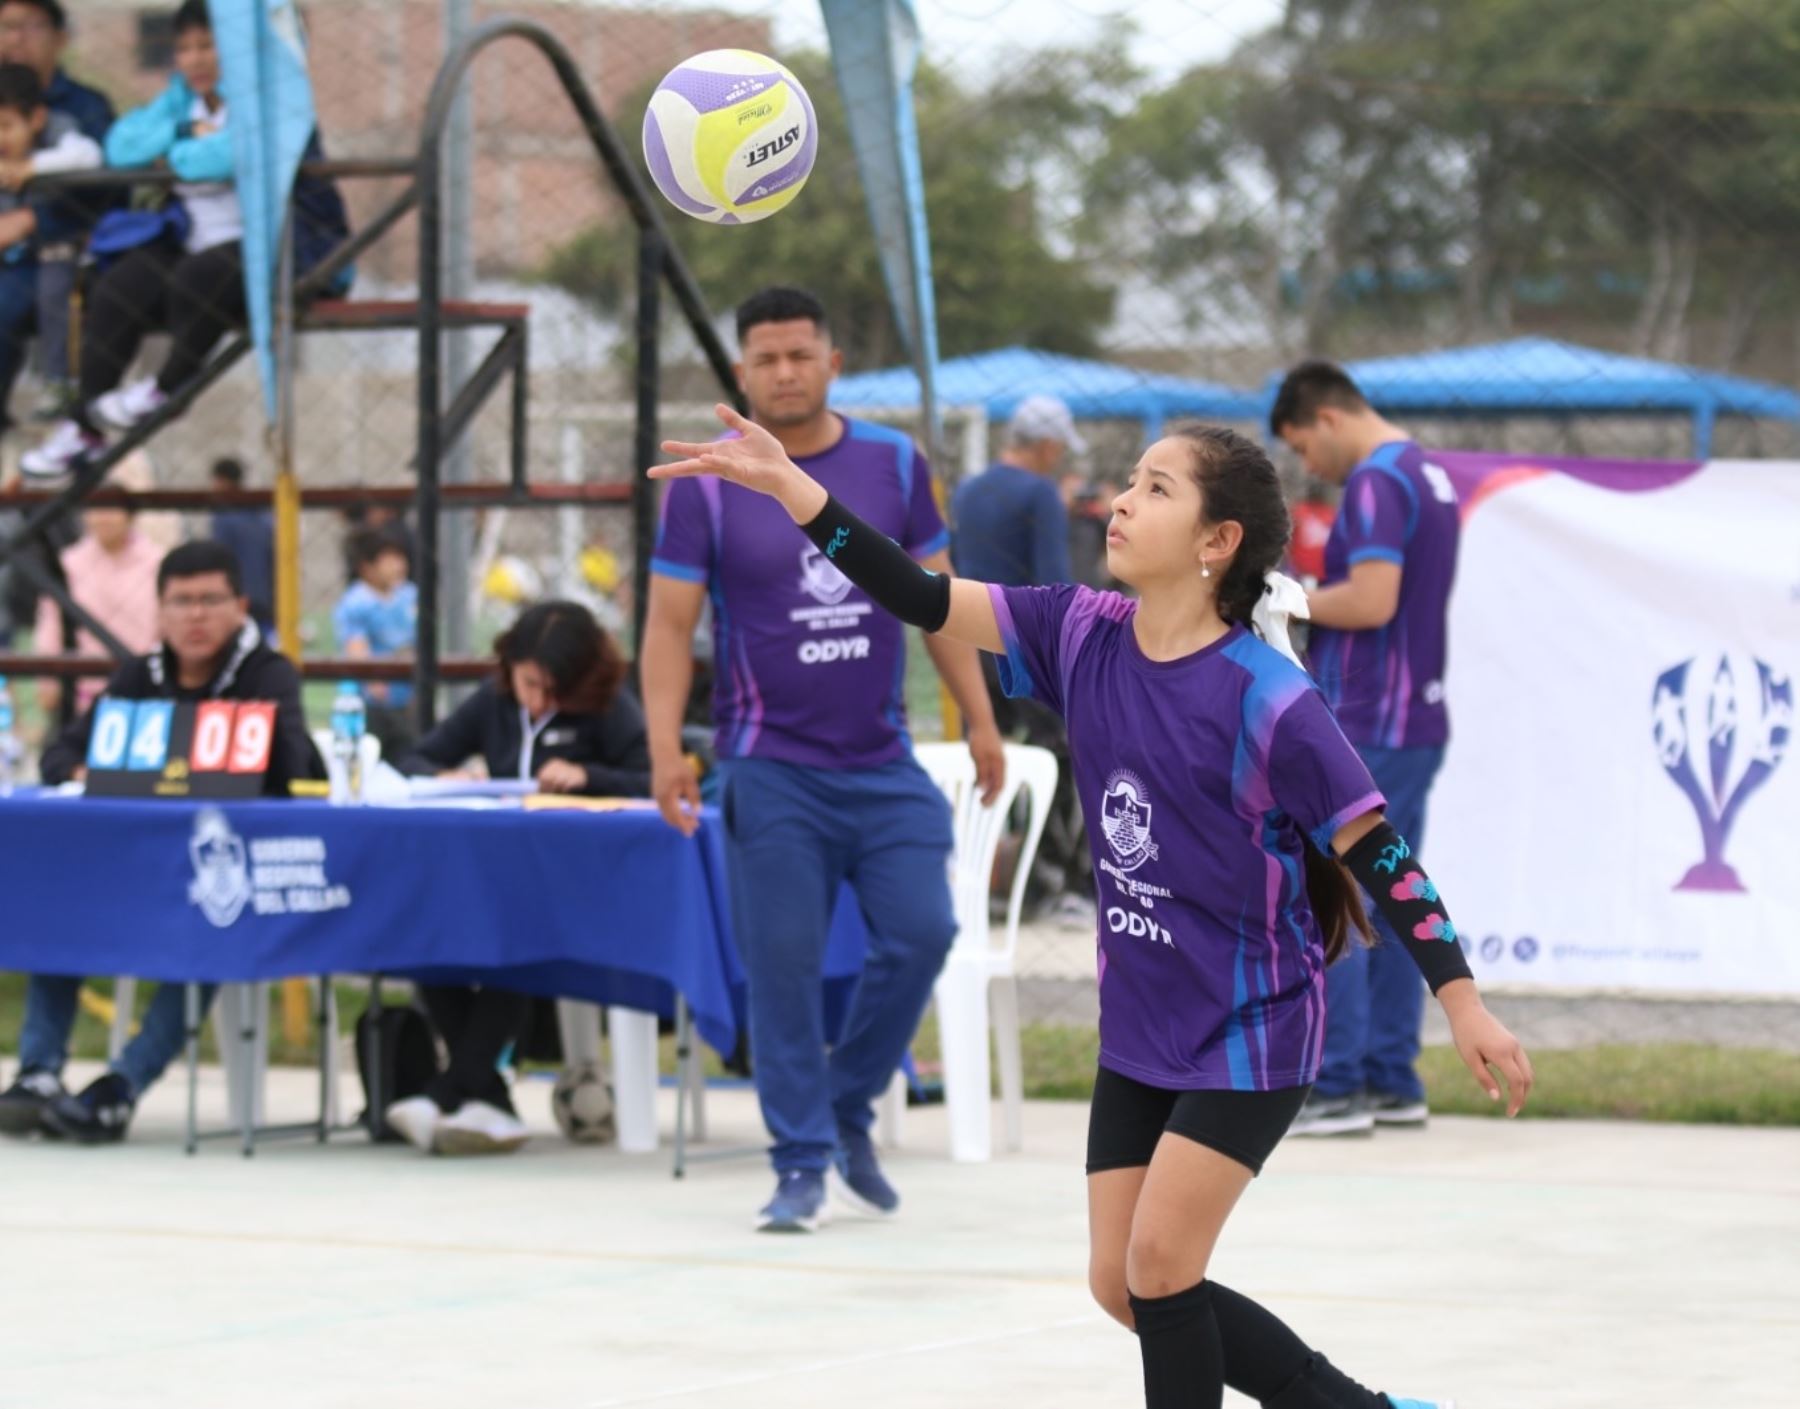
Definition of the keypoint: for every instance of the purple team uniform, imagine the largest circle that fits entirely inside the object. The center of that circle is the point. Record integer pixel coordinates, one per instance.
(1387, 685)
(810, 671)
(819, 788)
(1199, 778)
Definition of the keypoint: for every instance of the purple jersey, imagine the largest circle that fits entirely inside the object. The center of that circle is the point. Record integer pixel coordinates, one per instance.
(807, 670)
(1387, 685)
(1198, 778)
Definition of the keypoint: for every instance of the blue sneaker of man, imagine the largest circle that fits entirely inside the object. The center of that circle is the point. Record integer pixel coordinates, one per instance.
(1421, 1403)
(860, 1182)
(798, 1206)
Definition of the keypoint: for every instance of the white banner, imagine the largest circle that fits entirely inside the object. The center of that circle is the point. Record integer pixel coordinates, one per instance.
(1614, 810)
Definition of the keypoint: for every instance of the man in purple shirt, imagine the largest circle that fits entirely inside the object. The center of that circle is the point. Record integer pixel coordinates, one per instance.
(1378, 653)
(820, 786)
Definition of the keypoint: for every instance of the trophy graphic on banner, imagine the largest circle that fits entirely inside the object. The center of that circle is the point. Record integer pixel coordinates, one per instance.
(1721, 729)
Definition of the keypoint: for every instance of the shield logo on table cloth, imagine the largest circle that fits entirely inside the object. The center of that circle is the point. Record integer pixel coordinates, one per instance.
(221, 884)
(1721, 728)
(1125, 811)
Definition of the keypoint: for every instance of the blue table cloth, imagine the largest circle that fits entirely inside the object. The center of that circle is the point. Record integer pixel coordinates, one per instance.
(613, 907)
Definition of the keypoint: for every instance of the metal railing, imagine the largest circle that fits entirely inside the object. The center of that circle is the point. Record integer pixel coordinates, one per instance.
(439, 425)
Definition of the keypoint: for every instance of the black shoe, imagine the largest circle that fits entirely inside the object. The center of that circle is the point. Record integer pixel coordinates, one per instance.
(1334, 1115)
(22, 1105)
(1399, 1112)
(98, 1116)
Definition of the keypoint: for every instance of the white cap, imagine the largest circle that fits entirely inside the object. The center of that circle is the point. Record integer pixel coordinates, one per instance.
(1045, 418)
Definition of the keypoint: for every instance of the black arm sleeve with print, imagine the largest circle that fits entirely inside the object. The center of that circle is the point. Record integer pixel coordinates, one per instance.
(881, 567)
(1407, 898)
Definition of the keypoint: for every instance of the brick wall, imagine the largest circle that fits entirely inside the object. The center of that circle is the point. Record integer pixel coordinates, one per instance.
(536, 178)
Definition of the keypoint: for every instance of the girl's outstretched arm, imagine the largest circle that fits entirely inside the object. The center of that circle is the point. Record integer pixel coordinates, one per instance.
(1383, 863)
(958, 608)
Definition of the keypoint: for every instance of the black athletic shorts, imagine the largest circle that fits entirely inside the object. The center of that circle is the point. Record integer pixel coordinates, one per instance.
(1128, 1118)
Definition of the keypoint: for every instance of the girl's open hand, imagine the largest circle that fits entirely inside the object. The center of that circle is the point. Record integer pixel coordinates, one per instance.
(752, 458)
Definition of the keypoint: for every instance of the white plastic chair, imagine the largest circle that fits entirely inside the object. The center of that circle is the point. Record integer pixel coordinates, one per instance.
(978, 987)
(633, 1036)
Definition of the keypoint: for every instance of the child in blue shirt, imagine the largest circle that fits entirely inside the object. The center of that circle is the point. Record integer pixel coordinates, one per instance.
(377, 618)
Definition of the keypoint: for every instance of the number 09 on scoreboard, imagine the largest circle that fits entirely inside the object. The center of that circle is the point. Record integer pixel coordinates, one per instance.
(165, 748)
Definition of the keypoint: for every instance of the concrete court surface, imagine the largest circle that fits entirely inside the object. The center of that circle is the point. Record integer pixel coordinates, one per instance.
(1540, 1265)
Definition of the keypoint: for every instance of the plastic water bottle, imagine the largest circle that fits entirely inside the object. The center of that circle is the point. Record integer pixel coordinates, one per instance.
(10, 750)
(349, 720)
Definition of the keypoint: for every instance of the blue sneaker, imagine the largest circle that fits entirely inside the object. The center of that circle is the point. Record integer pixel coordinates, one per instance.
(860, 1182)
(798, 1206)
(1421, 1403)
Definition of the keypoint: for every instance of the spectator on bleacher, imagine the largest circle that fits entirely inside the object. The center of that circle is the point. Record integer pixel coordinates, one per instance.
(554, 712)
(188, 273)
(249, 533)
(111, 572)
(35, 33)
(210, 650)
(368, 518)
(35, 283)
(377, 618)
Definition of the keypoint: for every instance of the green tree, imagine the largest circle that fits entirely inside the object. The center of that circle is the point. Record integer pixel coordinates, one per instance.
(998, 278)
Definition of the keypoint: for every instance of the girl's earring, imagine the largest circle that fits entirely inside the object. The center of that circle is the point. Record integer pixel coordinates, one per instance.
(1205, 570)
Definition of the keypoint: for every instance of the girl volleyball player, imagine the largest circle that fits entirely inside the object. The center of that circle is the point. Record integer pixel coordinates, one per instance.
(1227, 817)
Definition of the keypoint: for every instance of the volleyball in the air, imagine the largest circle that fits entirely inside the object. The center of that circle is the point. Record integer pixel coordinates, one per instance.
(730, 136)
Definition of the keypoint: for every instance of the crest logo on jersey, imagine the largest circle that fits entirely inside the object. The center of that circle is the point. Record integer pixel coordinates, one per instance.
(820, 580)
(1125, 811)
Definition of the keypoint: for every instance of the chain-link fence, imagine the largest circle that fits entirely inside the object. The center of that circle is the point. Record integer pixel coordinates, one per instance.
(1198, 190)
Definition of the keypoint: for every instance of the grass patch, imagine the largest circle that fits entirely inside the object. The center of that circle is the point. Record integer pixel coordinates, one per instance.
(1682, 1082)
(88, 1041)
(1679, 1082)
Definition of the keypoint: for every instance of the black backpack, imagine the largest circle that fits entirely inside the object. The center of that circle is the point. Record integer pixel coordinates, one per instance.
(396, 1056)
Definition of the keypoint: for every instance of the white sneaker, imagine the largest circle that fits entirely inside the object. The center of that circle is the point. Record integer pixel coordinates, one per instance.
(61, 449)
(124, 408)
(480, 1129)
(417, 1119)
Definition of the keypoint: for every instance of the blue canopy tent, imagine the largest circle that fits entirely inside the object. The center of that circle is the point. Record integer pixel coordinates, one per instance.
(1545, 377)
(993, 383)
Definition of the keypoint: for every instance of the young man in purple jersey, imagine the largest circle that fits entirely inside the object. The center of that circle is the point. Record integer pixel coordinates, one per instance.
(820, 785)
(1377, 651)
(1233, 825)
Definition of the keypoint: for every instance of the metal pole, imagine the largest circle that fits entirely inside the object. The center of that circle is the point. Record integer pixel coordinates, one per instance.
(287, 532)
(430, 456)
(643, 491)
(459, 283)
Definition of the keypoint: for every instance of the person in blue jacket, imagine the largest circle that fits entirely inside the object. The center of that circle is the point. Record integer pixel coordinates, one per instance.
(53, 223)
(188, 277)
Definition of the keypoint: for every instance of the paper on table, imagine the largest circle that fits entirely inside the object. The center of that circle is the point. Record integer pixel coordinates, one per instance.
(545, 802)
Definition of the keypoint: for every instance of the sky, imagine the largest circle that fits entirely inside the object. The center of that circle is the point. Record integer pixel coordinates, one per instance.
(1172, 34)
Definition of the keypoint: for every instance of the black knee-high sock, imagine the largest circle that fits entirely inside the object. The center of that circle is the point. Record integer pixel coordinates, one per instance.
(1184, 1363)
(1264, 1359)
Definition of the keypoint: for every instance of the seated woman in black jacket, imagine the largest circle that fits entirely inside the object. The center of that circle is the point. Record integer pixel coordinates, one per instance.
(555, 713)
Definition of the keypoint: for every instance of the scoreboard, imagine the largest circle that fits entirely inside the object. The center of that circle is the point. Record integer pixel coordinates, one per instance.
(169, 748)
